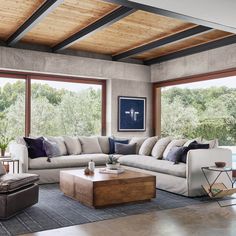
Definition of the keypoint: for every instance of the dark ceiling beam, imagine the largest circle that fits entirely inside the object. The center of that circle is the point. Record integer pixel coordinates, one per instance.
(47, 7)
(193, 32)
(163, 12)
(189, 51)
(101, 23)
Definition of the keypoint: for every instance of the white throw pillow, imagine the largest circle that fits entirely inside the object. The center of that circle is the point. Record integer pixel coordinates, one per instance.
(73, 145)
(61, 144)
(192, 140)
(139, 141)
(147, 146)
(212, 143)
(90, 145)
(173, 143)
(160, 147)
(104, 144)
(2, 169)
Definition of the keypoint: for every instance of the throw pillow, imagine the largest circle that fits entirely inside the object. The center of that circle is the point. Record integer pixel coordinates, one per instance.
(125, 149)
(112, 142)
(35, 147)
(147, 146)
(160, 147)
(173, 143)
(90, 145)
(61, 144)
(104, 144)
(212, 143)
(2, 169)
(176, 153)
(138, 141)
(51, 148)
(73, 145)
(192, 140)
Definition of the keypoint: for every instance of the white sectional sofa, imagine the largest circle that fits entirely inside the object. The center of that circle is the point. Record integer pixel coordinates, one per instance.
(185, 179)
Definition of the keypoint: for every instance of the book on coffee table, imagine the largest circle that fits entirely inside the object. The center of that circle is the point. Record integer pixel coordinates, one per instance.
(109, 171)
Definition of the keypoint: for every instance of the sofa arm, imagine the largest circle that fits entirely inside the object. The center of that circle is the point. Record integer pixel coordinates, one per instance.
(19, 151)
(203, 158)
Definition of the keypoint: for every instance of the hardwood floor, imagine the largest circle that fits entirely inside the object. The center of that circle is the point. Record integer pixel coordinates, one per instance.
(203, 219)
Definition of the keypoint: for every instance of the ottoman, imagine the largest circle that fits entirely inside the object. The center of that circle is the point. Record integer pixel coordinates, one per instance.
(17, 192)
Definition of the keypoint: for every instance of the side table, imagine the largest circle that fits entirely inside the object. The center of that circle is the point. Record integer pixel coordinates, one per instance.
(7, 160)
(218, 190)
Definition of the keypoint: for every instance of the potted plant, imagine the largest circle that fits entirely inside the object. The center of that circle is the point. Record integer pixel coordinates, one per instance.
(4, 141)
(112, 163)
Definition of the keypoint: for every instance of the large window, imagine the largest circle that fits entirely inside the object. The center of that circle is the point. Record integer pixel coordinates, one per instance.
(201, 109)
(12, 107)
(65, 108)
(33, 105)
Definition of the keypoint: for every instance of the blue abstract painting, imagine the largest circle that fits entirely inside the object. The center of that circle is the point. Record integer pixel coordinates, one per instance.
(131, 112)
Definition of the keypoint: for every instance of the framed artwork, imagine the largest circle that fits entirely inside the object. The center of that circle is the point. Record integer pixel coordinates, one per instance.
(131, 114)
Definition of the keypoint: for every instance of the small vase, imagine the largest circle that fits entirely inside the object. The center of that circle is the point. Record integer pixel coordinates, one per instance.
(3, 152)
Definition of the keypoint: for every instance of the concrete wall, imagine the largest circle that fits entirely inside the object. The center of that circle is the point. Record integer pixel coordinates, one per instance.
(128, 88)
(123, 79)
(208, 61)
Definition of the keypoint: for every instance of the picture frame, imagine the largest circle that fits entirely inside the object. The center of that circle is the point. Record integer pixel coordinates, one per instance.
(131, 114)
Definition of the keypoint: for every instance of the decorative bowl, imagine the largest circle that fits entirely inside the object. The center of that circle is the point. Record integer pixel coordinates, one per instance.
(113, 166)
(220, 164)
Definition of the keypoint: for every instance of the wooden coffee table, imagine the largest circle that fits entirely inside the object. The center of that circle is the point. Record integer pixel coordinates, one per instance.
(99, 190)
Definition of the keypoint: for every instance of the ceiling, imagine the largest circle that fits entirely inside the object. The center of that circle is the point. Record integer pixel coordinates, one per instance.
(106, 27)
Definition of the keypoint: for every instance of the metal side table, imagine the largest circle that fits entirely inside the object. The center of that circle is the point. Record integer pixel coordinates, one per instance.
(218, 190)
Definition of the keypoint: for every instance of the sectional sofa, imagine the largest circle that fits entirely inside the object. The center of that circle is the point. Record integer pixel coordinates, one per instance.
(149, 157)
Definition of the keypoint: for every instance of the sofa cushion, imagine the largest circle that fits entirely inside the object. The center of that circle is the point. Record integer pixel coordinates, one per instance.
(11, 182)
(35, 147)
(125, 149)
(139, 141)
(90, 145)
(2, 169)
(73, 145)
(146, 147)
(153, 164)
(51, 148)
(104, 144)
(67, 161)
(160, 147)
(112, 143)
(61, 144)
(192, 140)
(173, 143)
(212, 143)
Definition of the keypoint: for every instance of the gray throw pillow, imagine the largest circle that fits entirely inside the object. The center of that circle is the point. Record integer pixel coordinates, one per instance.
(2, 169)
(125, 149)
(51, 148)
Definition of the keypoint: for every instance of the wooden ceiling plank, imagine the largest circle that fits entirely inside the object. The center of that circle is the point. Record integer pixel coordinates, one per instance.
(101, 23)
(163, 41)
(171, 14)
(35, 18)
(192, 50)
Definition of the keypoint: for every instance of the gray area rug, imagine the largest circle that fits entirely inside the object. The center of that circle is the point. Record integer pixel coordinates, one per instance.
(55, 210)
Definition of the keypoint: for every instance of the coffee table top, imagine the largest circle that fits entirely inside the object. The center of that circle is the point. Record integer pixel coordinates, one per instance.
(97, 176)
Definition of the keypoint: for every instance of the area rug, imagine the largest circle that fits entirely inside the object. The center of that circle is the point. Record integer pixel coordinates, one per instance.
(55, 210)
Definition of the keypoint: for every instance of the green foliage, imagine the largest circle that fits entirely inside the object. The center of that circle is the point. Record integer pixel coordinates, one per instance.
(208, 113)
(112, 160)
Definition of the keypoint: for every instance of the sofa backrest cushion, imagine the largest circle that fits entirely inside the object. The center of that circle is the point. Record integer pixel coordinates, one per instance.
(73, 145)
(125, 149)
(192, 140)
(212, 143)
(139, 141)
(90, 145)
(61, 144)
(146, 147)
(104, 144)
(112, 143)
(173, 143)
(2, 169)
(160, 147)
(35, 147)
(51, 148)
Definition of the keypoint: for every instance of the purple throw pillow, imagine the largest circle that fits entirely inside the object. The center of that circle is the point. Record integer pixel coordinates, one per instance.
(35, 147)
